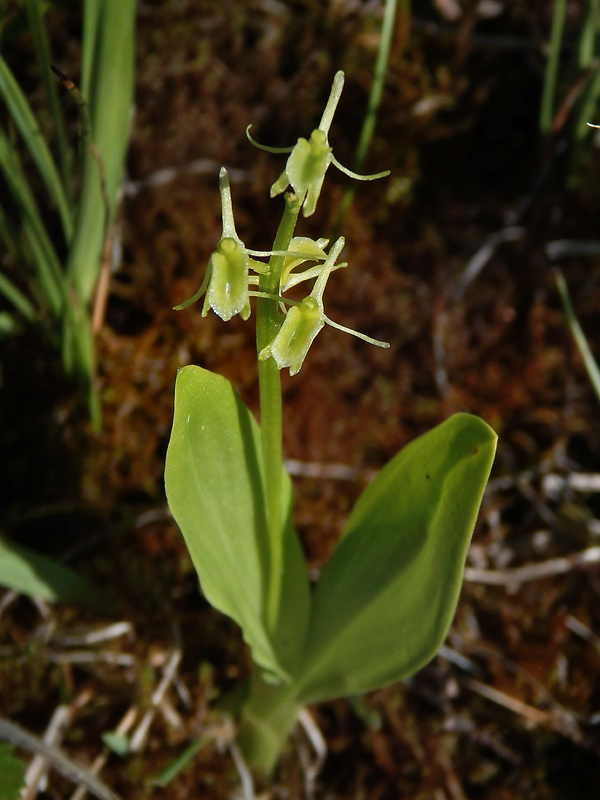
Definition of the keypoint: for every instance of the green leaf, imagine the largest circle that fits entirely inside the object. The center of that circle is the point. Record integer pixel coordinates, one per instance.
(215, 488)
(182, 761)
(387, 596)
(12, 773)
(120, 745)
(37, 575)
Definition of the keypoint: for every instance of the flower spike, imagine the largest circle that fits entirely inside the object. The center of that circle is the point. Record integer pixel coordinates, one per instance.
(304, 320)
(309, 159)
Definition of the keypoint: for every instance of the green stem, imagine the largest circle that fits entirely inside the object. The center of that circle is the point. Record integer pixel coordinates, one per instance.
(268, 322)
(266, 722)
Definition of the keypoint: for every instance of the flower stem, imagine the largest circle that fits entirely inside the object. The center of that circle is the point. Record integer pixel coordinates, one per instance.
(266, 721)
(268, 322)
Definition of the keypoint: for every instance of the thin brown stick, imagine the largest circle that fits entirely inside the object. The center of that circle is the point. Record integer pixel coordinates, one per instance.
(138, 739)
(505, 700)
(99, 762)
(39, 765)
(19, 737)
(536, 571)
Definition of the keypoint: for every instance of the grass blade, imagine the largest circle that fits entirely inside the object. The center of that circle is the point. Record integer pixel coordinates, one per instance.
(551, 71)
(107, 82)
(42, 50)
(46, 262)
(181, 762)
(29, 129)
(18, 299)
(381, 65)
(580, 339)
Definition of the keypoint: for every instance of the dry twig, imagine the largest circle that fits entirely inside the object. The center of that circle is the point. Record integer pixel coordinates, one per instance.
(19, 737)
(536, 571)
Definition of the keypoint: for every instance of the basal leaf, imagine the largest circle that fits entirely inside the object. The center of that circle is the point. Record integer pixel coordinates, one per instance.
(385, 600)
(35, 574)
(215, 490)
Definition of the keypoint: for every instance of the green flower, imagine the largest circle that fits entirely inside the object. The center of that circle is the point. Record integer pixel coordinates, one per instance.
(304, 320)
(310, 158)
(227, 279)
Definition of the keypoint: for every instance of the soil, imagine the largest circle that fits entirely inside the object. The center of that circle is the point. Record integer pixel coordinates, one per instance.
(511, 706)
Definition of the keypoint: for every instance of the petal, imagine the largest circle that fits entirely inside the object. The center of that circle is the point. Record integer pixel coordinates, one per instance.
(280, 184)
(310, 250)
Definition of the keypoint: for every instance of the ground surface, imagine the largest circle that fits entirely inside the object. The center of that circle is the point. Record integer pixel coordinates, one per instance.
(511, 708)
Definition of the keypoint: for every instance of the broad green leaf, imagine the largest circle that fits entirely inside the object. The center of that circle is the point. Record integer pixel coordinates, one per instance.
(12, 773)
(215, 489)
(385, 599)
(37, 575)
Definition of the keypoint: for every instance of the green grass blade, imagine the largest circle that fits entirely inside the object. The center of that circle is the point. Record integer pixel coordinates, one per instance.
(9, 235)
(91, 35)
(77, 347)
(18, 299)
(42, 49)
(181, 762)
(90, 205)
(107, 83)
(381, 65)
(586, 111)
(78, 355)
(29, 129)
(587, 50)
(552, 64)
(46, 262)
(578, 335)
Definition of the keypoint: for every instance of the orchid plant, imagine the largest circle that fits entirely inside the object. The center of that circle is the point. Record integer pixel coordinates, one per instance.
(383, 603)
